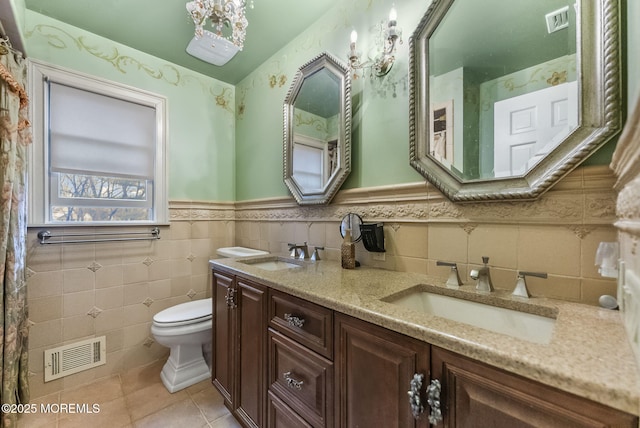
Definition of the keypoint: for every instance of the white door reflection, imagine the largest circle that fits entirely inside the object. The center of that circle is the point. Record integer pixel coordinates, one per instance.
(529, 126)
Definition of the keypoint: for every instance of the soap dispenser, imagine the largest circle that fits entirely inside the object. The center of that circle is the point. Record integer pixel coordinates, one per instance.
(348, 251)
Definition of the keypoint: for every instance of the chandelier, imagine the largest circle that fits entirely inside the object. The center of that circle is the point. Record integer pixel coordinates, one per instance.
(215, 46)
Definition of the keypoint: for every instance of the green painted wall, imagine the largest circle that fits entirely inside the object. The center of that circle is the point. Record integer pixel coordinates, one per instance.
(380, 137)
(204, 163)
(201, 118)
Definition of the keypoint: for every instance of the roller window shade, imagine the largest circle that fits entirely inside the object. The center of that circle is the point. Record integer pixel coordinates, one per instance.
(95, 134)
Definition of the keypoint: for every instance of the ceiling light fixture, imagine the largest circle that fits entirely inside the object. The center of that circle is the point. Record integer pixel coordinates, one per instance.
(389, 35)
(214, 46)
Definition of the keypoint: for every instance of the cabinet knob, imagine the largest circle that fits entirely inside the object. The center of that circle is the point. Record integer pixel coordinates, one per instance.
(293, 320)
(291, 382)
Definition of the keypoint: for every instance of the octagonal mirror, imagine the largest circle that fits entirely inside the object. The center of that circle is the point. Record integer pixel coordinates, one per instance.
(507, 97)
(317, 131)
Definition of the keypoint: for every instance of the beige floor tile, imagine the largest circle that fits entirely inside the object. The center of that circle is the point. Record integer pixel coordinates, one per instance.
(179, 415)
(210, 403)
(98, 392)
(112, 414)
(140, 378)
(152, 399)
(226, 422)
(194, 389)
(36, 418)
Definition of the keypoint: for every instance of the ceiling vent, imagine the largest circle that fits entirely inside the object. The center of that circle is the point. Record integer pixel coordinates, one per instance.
(212, 48)
(557, 20)
(74, 358)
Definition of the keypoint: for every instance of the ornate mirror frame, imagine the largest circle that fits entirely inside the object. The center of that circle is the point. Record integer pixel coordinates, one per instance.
(340, 73)
(600, 108)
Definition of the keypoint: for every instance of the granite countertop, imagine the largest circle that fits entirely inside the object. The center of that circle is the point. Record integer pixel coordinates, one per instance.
(589, 354)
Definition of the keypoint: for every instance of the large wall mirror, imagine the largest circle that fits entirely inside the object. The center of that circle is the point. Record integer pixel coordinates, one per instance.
(317, 131)
(508, 96)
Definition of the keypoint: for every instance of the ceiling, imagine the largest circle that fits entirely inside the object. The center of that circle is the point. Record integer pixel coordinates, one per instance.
(164, 29)
(501, 37)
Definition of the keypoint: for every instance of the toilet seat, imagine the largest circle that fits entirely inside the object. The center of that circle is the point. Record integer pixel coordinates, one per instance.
(193, 312)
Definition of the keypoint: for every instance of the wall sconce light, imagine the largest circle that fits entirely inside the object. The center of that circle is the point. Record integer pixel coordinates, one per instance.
(390, 35)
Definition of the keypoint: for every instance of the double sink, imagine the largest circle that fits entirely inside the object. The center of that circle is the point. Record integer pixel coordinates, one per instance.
(514, 318)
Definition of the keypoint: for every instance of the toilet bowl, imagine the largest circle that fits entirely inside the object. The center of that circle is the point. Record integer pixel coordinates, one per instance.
(185, 329)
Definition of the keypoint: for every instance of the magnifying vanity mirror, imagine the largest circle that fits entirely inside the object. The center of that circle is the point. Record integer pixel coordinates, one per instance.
(507, 97)
(317, 131)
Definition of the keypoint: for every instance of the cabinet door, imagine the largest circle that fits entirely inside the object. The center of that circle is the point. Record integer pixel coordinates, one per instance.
(223, 343)
(251, 318)
(477, 395)
(374, 368)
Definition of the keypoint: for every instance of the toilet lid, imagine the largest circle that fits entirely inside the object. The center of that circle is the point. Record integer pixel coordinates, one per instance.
(196, 311)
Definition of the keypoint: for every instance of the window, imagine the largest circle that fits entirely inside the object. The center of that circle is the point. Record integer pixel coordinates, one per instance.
(98, 152)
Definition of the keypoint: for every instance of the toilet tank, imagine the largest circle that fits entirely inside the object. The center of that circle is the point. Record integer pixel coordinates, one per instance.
(239, 252)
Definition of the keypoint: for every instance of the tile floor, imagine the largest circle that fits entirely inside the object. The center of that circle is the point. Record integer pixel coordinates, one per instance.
(137, 399)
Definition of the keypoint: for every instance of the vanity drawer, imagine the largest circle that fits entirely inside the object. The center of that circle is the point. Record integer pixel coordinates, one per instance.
(302, 379)
(302, 321)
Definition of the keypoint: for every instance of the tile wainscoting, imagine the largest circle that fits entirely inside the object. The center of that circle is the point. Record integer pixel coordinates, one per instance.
(558, 233)
(114, 289)
(78, 291)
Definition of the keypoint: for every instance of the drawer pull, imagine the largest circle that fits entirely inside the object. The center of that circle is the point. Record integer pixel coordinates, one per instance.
(230, 298)
(291, 382)
(294, 321)
(414, 395)
(433, 398)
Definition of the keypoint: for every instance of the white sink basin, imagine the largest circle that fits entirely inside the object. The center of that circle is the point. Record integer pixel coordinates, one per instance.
(523, 325)
(273, 263)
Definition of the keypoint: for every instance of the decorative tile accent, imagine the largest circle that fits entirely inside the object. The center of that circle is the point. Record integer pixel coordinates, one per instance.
(585, 198)
(29, 272)
(94, 266)
(148, 302)
(94, 312)
(581, 231)
(191, 293)
(148, 261)
(191, 257)
(148, 342)
(468, 227)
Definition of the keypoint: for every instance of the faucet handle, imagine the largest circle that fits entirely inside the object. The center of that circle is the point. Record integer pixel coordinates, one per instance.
(536, 274)
(454, 277)
(521, 284)
(293, 248)
(316, 256)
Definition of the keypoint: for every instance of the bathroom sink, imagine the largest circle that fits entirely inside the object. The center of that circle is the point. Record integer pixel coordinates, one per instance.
(523, 325)
(273, 263)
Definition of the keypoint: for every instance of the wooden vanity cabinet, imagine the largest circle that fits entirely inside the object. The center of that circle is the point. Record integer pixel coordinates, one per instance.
(475, 394)
(300, 372)
(239, 346)
(283, 362)
(374, 368)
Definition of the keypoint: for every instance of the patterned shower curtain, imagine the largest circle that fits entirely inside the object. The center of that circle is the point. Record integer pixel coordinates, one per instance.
(15, 136)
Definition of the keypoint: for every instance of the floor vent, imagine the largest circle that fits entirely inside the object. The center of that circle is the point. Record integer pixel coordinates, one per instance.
(74, 358)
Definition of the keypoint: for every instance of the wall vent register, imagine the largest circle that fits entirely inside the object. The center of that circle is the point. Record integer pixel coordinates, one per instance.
(75, 357)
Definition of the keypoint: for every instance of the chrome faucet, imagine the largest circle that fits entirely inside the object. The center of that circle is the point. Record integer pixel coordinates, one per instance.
(521, 285)
(454, 277)
(483, 277)
(299, 251)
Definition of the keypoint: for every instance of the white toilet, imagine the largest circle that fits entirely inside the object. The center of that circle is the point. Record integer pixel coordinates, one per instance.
(185, 329)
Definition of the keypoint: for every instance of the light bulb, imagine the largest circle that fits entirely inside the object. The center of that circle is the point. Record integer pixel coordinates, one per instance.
(354, 36)
(393, 15)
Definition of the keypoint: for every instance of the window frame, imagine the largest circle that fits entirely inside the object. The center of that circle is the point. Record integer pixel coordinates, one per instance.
(39, 178)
